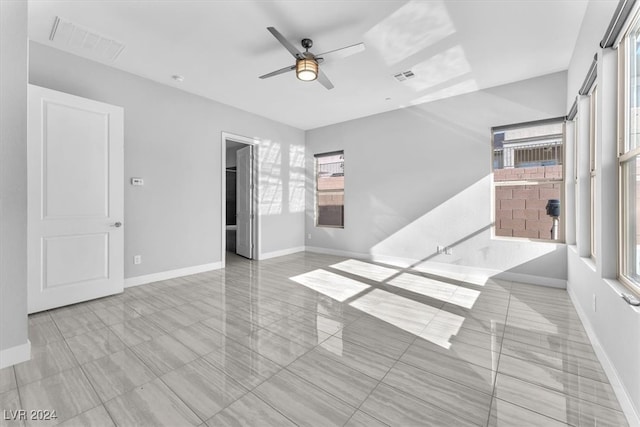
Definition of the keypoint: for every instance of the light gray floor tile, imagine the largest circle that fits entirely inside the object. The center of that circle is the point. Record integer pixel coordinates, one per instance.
(95, 417)
(200, 338)
(345, 383)
(45, 361)
(302, 402)
(205, 389)
(69, 310)
(276, 348)
(243, 365)
(78, 323)
(94, 345)
(446, 336)
(559, 406)
(482, 357)
(164, 354)
(152, 404)
(396, 408)
(172, 319)
(115, 314)
(43, 333)
(562, 361)
(117, 373)
(40, 317)
(68, 393)
(383, 342)
(7, 379)
(135, 331)
(246, 345)
(448, 366)
(362, 419)
(300, 332)
(146, 305)
(355, 356)
(249, 410)
(505, 414)
(565, 382)
(10, 409)
(469, 403)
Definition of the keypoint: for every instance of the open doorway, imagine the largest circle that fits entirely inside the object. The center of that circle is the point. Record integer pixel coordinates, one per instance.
(239, 216)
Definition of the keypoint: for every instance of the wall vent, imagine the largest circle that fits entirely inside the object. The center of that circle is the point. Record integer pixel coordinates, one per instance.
(404, 75)
(82, 40)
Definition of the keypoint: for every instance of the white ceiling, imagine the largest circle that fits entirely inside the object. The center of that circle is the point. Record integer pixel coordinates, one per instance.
(221, 47)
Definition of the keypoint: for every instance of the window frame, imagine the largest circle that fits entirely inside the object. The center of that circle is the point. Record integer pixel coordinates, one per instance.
(593, 142)
(317, 192)
(562, 223)
(626, 154)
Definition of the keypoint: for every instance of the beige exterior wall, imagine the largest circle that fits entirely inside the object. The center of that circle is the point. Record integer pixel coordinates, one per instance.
(521, 209)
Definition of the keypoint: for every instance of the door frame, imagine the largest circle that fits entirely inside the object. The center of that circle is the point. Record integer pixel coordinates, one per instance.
(255, 226)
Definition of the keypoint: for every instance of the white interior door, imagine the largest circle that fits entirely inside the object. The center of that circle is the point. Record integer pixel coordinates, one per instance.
(244, 207)
(75, 164)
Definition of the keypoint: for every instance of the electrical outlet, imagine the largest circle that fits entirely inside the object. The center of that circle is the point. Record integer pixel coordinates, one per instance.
(137, 259)
(594, 302)
(309, 236)
(439, 249)
(448, 250)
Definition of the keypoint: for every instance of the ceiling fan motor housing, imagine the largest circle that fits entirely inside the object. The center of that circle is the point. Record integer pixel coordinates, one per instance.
(307, 43)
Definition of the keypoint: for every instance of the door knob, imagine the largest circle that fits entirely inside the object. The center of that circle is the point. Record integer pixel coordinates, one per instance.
(117, 224)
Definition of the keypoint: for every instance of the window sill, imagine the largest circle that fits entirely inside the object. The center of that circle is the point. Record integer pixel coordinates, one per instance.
(527, 240)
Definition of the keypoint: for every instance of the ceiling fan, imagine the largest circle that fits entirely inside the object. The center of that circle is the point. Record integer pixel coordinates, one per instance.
(307, 64)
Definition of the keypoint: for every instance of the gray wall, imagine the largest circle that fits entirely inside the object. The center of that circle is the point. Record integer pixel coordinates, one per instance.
(613, 326)
(13, 174)
(420, 177)
(173, 141)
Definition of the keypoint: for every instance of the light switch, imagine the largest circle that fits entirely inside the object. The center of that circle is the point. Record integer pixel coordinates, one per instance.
(137, 181)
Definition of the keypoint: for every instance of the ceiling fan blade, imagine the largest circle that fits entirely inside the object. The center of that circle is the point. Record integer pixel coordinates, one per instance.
(343, 52)
(284, 42)
(324, 80)
(280, 71)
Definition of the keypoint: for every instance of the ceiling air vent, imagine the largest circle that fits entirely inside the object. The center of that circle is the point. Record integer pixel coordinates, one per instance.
(404, 75)
(82, 40)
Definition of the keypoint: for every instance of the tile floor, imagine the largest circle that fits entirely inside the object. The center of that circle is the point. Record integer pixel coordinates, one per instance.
(316, 340)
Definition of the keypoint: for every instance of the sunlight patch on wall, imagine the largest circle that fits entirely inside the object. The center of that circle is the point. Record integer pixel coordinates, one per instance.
(410, 29)
(270, 193)
(297, 177)
(333, 285)
(365, 269)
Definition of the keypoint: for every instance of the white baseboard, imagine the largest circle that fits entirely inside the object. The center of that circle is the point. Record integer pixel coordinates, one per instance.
(14, 355)
(283, 252)
(474, 273)
(550, 282)
(171, 274)
(612, 374)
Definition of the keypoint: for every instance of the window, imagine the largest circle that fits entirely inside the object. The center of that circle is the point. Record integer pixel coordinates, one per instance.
(593, 123)
(527, 173)
(330, 189)
(629, 162)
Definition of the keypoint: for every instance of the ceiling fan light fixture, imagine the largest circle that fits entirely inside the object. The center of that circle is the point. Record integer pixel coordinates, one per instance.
(307, 69)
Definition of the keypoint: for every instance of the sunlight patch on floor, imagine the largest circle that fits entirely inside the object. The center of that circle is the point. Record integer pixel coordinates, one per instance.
(365, 269)
(399, 311)
(333, 285)
(437, 289)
